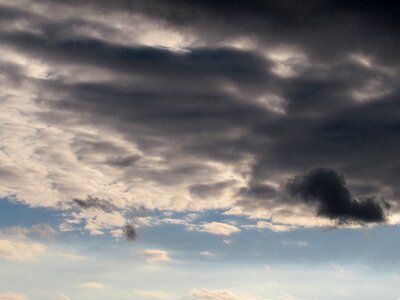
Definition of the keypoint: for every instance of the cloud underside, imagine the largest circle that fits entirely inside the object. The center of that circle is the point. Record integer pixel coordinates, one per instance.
(191, 106)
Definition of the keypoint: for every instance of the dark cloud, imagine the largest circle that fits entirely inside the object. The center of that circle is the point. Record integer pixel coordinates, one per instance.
(257, 196)
(130, 233)
(123, 161)
(94, 202)
(323, 29)
(328, 190)
(213, 102)
(208, 190)
(220, 63)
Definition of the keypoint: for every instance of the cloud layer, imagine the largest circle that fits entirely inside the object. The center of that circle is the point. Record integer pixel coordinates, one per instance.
(198, 105)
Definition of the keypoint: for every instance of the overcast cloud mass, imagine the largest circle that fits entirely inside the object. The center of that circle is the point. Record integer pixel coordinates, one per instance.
(221, 117)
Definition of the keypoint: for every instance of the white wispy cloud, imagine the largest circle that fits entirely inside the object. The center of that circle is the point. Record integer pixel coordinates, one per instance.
(219, 228)
(155, 256)
(20, 250)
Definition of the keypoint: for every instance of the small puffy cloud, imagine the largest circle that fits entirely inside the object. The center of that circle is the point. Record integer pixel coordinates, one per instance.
(219, 228)
(92, 285)
(13, 296)
(153, 294)
(20, 250)
(154, 256)
(205, 294)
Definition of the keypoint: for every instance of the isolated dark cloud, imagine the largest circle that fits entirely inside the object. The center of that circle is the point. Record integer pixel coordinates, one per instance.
(328, 190)
(130, 233)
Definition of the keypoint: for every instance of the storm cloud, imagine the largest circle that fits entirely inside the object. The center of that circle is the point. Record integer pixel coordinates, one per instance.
(203, 105)
(328, 189)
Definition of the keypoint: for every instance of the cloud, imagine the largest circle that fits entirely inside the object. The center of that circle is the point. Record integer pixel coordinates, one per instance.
(154, 256)
(41, 231)
(295, 243)
(130, 233)
(123, 161)
(94, 202)
(208, 190)
(219, 228)
(271, 226)
(92, 285)
(153, 294)
(205, 294)
(13, 296)
(328, 190)
(207, 253)
(17, 232)
(178, 108)
(97, 221)
(20, 250)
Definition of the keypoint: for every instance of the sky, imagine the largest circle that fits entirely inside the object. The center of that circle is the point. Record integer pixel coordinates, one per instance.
(199, 150)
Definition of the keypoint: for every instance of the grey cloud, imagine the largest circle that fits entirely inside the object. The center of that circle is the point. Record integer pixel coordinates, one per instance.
(324, 30)
(258, 196)
(203, 104)
(94, 202)
(43, 231)
(328, 190)
(208, 190)
(220, 63)
(123, 161)
(130, 233)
